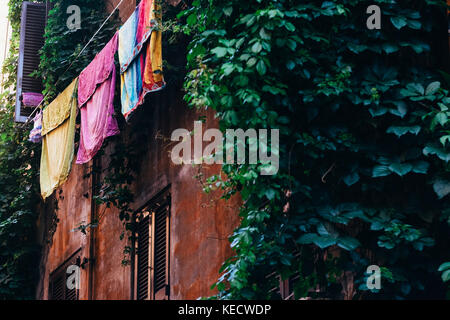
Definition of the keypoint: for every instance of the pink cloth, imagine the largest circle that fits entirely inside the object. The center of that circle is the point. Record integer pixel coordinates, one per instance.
(96, 89)
(97, 71)
(32, 99)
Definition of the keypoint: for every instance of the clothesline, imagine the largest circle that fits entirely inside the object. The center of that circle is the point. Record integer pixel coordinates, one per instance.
(76, 58)
(139, 46)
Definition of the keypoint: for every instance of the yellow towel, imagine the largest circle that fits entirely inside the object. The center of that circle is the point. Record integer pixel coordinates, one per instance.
(58, 135)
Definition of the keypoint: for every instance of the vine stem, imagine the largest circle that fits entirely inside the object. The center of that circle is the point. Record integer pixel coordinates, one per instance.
(328, 172)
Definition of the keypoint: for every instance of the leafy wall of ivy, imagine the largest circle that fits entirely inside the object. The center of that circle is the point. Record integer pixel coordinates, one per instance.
(364, 142)
(62, 46)
(19, 192)
(364, 134)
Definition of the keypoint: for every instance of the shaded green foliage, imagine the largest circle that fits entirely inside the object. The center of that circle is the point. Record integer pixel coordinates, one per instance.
(19, 191)
(364, 134)
(62, 45)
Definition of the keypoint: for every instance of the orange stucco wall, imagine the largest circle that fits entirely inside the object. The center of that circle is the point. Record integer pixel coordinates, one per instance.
(200, 223)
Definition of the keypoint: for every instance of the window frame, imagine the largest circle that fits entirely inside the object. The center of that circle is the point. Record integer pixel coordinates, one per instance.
(160, 204)
(21, 58)
(61, 271)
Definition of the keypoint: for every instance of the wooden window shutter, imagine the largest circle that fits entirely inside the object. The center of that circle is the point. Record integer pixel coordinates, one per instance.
(153, 250)
(161, 251)
(58, 281)
(32, 29)
(56, 286)
(143, 265)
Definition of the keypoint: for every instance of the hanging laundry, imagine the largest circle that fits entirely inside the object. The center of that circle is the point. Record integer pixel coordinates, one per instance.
(32, 99)
(58, 135)
(140, 58)
(96, 86)
(36, 132)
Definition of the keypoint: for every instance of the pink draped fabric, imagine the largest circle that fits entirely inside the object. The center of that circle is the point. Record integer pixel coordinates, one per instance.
(97, 71)
(95, 98)
(32, 99)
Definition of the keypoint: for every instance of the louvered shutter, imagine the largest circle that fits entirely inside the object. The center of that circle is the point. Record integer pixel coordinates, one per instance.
(152, 261)
(161, 251)
(32, 30)
(57, 287)
(143, 265)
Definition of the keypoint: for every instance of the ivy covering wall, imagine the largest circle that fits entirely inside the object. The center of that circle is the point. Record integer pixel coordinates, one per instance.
(19, 191)
(364, 142)
(364, 145)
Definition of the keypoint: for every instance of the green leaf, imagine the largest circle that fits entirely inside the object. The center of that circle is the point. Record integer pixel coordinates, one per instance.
(351, 179)
(390, 48)
(421, 167)
(441, 187)
(220, 52)
(261, 67)
(414, 24)
(381, 171)
(444, 266)
(312, 238)
(399, 22)
(228, 11)
(257, 47)
(284, 120)
(290, 27)
(356, 48)
(401, 168)
(432, 88)
(446, 276)
(444, 140)
(400, 131)
(307, 238)
(290, 65)
(348, 243)
(439, 152)
(441, 118)
(270, 194)
(413, 90)
(191, 20)
(251, 62)
(325, 242)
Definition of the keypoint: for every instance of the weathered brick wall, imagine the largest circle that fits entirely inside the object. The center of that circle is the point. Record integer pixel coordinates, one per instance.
(125, 10)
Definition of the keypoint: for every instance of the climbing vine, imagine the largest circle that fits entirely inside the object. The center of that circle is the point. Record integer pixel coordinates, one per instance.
(63, 45)
(363, 117)
(364, 137)
(19, 194)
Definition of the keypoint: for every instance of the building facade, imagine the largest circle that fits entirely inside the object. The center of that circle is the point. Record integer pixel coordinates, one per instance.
(182, 233)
